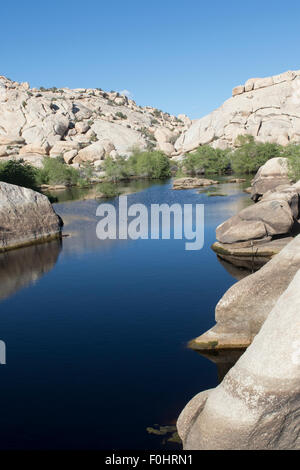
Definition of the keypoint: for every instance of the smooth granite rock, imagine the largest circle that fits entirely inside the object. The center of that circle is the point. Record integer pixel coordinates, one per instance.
(257, 405)
(26, 217)
(245, 306)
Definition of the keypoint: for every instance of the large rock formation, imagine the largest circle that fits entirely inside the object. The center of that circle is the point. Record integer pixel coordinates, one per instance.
(26, 216)
(273, 173)
(266, 108)
(257, 406)
(261, 230)
(34, 123)
(246, 305)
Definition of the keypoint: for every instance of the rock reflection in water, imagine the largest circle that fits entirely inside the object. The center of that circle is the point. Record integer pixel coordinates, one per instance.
(22, 267)
(235, 271)
(224, 359)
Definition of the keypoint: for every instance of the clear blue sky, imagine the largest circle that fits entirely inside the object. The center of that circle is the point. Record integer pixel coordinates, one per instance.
(180, 56)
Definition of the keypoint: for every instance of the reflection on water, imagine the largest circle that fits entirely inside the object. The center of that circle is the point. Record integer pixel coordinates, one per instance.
(224, 360)
(22, 267)
(235, 271)
(120, 314)
(93, 192)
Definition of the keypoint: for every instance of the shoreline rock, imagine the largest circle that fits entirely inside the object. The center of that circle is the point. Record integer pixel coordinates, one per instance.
(258, 232)
(272, 174)
(257, 405)
(245, 306)
(27, 217)
(192, 183)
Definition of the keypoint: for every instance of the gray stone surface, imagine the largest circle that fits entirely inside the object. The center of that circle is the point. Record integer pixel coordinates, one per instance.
(266, 108)
(257, 406)
(26, 216)
(245, 306)
(272, 174)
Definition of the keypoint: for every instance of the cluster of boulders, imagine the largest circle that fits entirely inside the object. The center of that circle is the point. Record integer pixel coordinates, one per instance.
(80, 125)
(262, 229)
(266, 108)
(257, 405)
(27, 217)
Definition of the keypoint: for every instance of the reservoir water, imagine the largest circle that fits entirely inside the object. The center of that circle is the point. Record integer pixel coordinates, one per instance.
(96, 331)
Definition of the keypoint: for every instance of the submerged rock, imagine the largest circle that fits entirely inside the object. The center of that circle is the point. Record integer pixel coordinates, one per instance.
(257, 406)
(27, 217)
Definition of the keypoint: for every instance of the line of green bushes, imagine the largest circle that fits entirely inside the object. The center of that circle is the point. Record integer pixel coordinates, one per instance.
(152, 165)
(148, 164)
(246, 158)
(54, 172)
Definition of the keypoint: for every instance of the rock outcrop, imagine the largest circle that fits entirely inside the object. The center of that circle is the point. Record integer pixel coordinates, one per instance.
(191, 183)
(266, 108)
(246, 305)
(27, 217)
(262, 229)
(257, 406)
(35, 123)
(273, 173)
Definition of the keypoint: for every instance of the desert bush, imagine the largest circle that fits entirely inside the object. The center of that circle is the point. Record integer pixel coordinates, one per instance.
(121, 115)
(207, 160)
(19, 173)
(144, 164)
(251, 155)
(292, 153)
(56, 171)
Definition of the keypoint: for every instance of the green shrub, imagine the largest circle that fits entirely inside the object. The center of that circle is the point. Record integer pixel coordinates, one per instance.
(251, 155)
(157, 113)
(173, 139)
(207, 160)
(154, 165)
(56, 171)
(19, 173)
(116, 169)
(144, 164)
(292, 153)
(121, 115)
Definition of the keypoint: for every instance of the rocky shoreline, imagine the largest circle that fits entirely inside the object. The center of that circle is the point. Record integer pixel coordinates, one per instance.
(257, 404)
(260, 231)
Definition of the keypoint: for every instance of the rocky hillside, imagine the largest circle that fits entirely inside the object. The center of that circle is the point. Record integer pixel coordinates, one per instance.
(267, 108)
(80, 124)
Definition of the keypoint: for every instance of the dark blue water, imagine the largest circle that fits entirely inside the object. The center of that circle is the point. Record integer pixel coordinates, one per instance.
(96, 332)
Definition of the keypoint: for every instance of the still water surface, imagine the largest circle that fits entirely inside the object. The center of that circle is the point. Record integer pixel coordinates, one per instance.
(96, 331)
